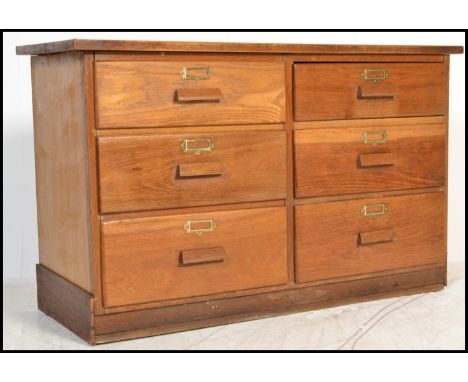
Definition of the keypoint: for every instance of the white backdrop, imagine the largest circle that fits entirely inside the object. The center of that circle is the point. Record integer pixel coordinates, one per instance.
(20, 247)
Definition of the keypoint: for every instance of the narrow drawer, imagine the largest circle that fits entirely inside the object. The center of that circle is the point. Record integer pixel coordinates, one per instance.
(335, 161)
(145, 94)
(178, 256)
(146, 172)
(368, 90)
(355, 237)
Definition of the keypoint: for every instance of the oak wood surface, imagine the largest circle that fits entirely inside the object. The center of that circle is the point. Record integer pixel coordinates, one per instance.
(143, 172)
(164, 46)
(93, 183)
(337, 91)
(141, 94)
(140, 258)
(66, 303)
(198, 95)
(191, 129)
(280, 126)
(327, 236)
(336, 161)
(61, 156)
(219, 311)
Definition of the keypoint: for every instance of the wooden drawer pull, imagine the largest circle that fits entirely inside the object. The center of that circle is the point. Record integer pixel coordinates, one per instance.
(198, 95)
(202, 256)
(367, 94)
(376, 160)
(192, 170)
(375, 237)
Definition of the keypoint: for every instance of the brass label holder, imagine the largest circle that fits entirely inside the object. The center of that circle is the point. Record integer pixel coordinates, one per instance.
(185, 73)
(374, 210)
(374, 75)
(199, 231)
(197, 149)
(367, 137)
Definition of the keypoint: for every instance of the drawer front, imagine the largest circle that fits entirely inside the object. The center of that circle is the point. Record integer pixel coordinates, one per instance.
(355, 237)
(337, 161)
(178, 256)
(145, 94)
(139, 173)
(341, 91)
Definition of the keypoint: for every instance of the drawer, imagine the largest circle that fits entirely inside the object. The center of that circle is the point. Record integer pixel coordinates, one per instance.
(178, 256)
(376, 157)
(355, 237)
(145, 94)
(146, 172)
(368, 90)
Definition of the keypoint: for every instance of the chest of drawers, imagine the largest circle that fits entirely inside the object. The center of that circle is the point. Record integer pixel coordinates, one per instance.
(185, 185)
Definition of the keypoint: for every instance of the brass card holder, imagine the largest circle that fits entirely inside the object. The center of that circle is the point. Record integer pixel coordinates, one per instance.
(204, 226)
(197, 146)
(374, 210)
(198, 73)
(374, 137)
(375, 75)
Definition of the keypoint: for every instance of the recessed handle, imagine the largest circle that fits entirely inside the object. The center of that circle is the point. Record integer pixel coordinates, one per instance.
(197, 146)
(374, 210)
(375, 237)
(376, 160)
(202, 95)
(199, 227)
(202, 256)
(198, 73)
(192, 170)
(364, 93)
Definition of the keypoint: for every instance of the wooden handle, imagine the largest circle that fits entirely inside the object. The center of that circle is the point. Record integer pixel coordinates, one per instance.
(376, 160)
(192, 170)
(364, 93)
(375, 237)
(198, 95)
(202, 256)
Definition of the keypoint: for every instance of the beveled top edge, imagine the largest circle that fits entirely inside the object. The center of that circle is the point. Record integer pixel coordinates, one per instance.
(226, 47)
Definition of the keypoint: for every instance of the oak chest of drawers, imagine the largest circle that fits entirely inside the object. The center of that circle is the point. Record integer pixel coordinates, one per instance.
(184, 185)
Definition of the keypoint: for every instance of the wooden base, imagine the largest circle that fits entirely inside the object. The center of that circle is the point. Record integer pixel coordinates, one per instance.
(66, 303)
(73, 307)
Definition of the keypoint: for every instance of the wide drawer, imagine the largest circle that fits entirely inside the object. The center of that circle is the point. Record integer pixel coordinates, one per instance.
(376, 157)
(325, 91)
(145, 94)
(178, 256)
(146, 172)
(355, 237)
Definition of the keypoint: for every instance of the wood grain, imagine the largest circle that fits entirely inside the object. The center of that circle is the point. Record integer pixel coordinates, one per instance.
(327, 233)
(335, 161)
(223, 47)
(140, 258)
(141, 94)
(66, 303)
(125, 325)
(62, 184)
(330, 91)
(139, 173)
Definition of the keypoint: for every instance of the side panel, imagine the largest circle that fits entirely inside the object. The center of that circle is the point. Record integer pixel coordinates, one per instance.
(61, 166)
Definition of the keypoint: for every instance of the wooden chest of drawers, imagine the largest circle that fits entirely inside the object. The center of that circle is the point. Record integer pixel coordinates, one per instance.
(184, 185)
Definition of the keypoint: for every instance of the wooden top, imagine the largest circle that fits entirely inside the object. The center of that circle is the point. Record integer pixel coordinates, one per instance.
(177, 46)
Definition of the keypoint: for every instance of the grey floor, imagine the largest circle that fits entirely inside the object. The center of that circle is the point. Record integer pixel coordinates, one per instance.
(426, 321)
